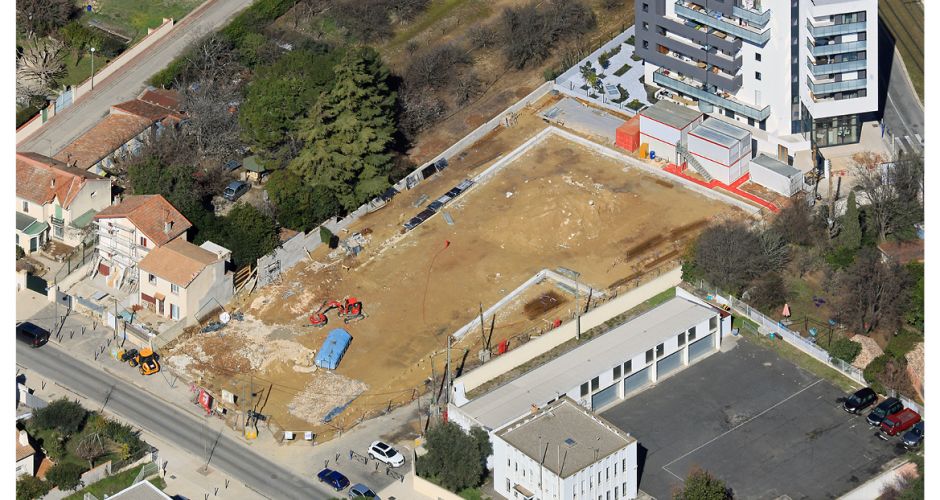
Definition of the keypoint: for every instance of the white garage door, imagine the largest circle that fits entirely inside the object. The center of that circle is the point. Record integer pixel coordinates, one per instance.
(636, 381)
(668, 364)
(604, 397)
(701, 347)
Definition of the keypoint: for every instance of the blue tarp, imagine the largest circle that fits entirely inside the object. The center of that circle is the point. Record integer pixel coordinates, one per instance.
(333, 349)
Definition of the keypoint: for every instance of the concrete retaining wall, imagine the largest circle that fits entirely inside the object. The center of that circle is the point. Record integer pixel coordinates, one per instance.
(431, 490)
(567, 331)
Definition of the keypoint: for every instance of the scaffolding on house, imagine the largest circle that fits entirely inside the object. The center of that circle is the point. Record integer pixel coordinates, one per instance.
(119, 249)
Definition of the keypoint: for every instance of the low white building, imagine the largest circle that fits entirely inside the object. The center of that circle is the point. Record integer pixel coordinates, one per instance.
(776, 175)
(565, 452)
(722, 149)
(180, 280)
(607, 369)
(665, 126)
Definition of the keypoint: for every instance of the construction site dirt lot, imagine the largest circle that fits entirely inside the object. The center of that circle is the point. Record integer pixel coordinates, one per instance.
(557, 205)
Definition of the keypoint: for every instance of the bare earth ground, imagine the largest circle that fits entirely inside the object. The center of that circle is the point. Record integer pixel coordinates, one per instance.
(559, 204)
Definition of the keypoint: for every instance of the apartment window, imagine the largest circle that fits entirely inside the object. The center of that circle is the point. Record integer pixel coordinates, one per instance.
(598, 478)
(174, 311)
(757, 75)
(151, 279)
(616, 492)
(508, 462)
(143, 241)
(624, 488)
(508, 485)
(757, 56)
(617, 372)
(660, 349)
(615, 468)
(646, 7)
(607, 473)
(713, 322)
(584, 389)
(26, 206)
(649, 356)
(681, 339)
(517, 467)
(646, 44)
(691, 334)
(595, 382)
(624, 467)
(174, 289)
(646, 26)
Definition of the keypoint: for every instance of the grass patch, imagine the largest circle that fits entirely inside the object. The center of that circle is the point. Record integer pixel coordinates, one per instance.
(572, 343)
(632, 40)
(635, 105)
(133, 17)
(905, 21)
(434, 13)
(113, 484)
(902, 343)
(24, 114)
(636, 57)
(471, 494)
(749, 333)
(623, 69)
(78, 72)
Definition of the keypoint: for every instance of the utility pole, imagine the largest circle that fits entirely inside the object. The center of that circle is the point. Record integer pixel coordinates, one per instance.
(448, 370)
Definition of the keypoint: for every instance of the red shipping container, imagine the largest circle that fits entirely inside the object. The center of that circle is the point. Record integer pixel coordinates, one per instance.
(628, 134)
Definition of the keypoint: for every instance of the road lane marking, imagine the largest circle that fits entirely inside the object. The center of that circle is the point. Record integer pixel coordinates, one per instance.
(723, 434)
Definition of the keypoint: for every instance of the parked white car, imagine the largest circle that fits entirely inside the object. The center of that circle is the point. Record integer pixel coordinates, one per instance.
(386, 454)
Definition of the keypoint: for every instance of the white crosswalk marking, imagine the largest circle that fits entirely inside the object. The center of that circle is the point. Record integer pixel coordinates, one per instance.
(919, 139)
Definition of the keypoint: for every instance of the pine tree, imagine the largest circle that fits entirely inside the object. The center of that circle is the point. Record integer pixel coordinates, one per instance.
(349, 132)
(851, 235)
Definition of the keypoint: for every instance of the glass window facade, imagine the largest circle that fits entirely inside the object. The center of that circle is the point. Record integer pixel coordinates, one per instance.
(836, 130)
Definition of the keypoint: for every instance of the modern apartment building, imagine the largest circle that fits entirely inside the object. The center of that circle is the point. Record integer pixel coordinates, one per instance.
(801, 71)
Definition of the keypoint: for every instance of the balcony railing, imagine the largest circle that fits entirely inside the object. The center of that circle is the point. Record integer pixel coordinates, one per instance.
(830, 87)
(752, 16)
(835, 29)
(835, 48)
(56, 221)
(722, 24)
(692, 89)
(841, 67)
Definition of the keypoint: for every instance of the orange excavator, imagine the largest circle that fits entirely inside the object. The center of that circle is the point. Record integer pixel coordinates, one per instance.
(350, 309)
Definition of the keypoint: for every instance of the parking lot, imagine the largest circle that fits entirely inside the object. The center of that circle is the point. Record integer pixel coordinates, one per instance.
(755, 420)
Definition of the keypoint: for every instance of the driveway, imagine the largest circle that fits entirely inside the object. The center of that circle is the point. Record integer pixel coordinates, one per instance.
(755, 420)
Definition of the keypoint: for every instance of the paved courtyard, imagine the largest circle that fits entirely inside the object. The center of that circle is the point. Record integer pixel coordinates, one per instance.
(755, 420)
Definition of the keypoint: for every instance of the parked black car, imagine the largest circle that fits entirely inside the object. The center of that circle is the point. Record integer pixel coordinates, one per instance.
(914, 437)
(884, 410)
(31, 334)
(863, 398)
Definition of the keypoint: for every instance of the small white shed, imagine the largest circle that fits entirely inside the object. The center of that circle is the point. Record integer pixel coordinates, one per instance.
(775, 175)
(723, 149)
(666, 124)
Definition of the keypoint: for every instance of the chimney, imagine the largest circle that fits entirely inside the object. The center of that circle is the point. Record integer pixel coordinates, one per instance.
(52, 182)
(24, 438)
(167, 226)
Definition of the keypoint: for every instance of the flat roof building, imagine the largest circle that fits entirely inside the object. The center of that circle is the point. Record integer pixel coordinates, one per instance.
(604, 370)
(564, 451)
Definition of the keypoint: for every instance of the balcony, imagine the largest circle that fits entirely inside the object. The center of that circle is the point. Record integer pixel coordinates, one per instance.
(828, 87)
(818, 31)
(841, 67)
(715, 20)
(834, 48)
(759, 19)
(693, 89)
(700, 34)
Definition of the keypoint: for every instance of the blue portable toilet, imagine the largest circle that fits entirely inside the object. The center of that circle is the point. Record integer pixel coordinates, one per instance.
(652, 155)
(335, 345)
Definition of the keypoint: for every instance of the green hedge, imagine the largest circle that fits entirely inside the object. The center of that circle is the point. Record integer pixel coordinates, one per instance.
(623, 69)
(845, 349)
(875, 368)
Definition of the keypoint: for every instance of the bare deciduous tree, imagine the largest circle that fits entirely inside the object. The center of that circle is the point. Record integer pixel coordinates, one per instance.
(420, 110)
(730, 255)
(436, 67)
(871, 292)
(212, 118)
(211, 61)
(91, 448)
(895, 375)
(481, 36)
(38, 70)
(467, 87)
(40, 17)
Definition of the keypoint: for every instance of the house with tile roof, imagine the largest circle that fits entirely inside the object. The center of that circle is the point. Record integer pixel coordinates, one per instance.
(180, 280)
(25, 455)
(55, 201)
(123, 132)
(129, 230)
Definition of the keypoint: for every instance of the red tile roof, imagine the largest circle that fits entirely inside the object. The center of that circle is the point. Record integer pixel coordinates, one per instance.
(104, 138)
(41, 179)
(144, 109)
(178, 262)
(149, 213)
(23, 450)
(169, 99)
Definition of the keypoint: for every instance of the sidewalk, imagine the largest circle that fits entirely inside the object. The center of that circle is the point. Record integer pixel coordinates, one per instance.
(872, 489)
(180, 470)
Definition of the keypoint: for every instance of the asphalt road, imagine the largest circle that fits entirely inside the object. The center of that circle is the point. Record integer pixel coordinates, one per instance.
(903, 114)
(160, 418)
(127, 83)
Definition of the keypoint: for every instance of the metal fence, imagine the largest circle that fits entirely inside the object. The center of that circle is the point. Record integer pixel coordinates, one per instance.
(778, 329)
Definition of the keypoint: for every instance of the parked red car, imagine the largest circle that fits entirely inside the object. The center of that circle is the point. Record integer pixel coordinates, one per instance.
(898, 423)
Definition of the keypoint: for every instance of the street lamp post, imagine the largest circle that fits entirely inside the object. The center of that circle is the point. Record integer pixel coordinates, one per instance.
(93, 68)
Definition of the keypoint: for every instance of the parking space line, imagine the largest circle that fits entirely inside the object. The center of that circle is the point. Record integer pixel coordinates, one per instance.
(673, 474)
(723, 434)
